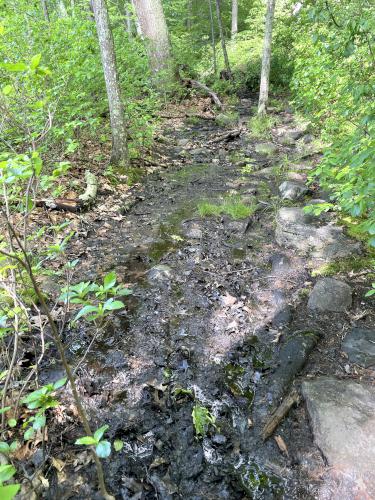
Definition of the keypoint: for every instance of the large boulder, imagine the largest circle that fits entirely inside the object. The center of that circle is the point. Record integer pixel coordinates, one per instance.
(342, 417)
(305, 233)
(359, 345)
(330, 295)
(291, 190)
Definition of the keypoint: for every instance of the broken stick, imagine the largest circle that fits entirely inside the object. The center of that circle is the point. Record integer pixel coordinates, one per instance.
(198, 85)
(279, 414)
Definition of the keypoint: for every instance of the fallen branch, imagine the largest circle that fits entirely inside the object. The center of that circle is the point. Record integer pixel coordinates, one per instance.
(279, 414)
(201, 86)
(227, 136)
(74, 204)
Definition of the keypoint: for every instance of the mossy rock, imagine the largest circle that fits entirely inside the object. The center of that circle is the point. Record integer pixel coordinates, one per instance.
(227, 119)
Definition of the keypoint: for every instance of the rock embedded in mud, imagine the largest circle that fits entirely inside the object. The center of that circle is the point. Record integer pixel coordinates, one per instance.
(161, 272)
(266, 148)
(359, 345)
(290, 190)
(291, 359)
(219, 439)
(342, 416)
(296, 229)
(330, 295)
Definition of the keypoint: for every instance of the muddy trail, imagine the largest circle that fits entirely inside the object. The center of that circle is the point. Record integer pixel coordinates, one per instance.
(218, 319)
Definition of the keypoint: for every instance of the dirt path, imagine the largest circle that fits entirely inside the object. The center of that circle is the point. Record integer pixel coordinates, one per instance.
(215, 300)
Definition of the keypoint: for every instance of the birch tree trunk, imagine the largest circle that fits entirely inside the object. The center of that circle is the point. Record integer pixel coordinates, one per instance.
(222, 38)
(62, 9)
(128, 21)
(116, 110)
(213, 40)
(136, 20)
(154, 28)
(234, 18)
(45, 10)
(266, 59)
(189, 19)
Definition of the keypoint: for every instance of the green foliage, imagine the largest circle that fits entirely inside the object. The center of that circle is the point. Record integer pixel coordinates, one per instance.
(337, 89)
(371, 292)
(260, 126)
(202, 420)
(102, 446)
(7, 492)
(230, 205)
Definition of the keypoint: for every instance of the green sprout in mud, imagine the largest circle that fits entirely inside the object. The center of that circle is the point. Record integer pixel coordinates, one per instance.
(202, 420)
(230, 205)
(8, 491)
(102, 446)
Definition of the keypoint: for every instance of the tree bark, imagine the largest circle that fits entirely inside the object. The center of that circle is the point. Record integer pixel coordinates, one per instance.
(154, 28)
(62, 9)
(213, 40)
(189, 19)
(266, 59)
(128, 21)
(222, 38)
(45, 10)
(234, 18)
(116, 110)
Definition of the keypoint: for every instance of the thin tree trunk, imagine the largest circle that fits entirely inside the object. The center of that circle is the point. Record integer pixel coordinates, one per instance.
(137, 23)
(154, 28)
(189, 14)
(222, 38)
(62, 9)
(234, 18)
(128, 21)
(266, 59)
(213, 40)
(45, 10)
(116, 110)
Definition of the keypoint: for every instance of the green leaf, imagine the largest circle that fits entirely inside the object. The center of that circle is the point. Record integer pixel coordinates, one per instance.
(7, 89)
(12, 422)
(35, 61)
(99, 433)
(4, 410)
(103, 450)
(6, 472)
(110, 280)
(29, 434)
(59, 383)
(118, 444)
(370, 293)
(9, 492)
(112, 305)
(39, 422)
(85, 311)
(14, 67)
(4, 447)
(123, 292)
(86, 440)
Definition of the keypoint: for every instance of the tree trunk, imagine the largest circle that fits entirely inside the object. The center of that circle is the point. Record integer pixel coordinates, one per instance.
(62, 9)
(234, 18)
(189, 20)
(213, 40)
(128, 21)
(154, 28)
(222, 38)
(116, 110)
(266, 59)
(136, 20)
(45, 10)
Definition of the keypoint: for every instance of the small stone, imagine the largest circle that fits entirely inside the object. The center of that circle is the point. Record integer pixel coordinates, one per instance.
(182, 142)
(219, 439)
(199, 152)
(297, 177)
(291, 190)
(161, 272)
(359, 345)
(266, 148)
(330, 295)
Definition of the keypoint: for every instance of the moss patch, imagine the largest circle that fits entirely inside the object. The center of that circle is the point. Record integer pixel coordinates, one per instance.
(345, 266)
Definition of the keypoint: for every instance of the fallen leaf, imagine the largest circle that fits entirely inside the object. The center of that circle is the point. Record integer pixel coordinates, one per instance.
(158, 461)
(58, 464)
(281, 444)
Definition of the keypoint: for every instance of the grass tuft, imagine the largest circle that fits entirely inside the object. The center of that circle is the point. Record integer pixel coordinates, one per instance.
(260, 126)
(230, 205)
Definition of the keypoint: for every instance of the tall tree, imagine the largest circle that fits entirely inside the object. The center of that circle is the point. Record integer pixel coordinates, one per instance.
(266, 58)
(116, 110)
(154, 28)
(213, 38)
(222, 38)
(45, 9)
(234, 18)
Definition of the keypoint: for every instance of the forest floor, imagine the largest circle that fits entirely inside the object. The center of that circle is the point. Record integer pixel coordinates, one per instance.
(217, 302)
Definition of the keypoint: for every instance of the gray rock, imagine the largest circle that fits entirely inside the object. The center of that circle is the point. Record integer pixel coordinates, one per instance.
(161, 272)
(219, 439)
(297, 177)
(295, 229)
(330, 295)
(182, 142)
(194, 232)
(342, 416)
(266, 148)
(291, 190)
(199, 152)
(359, 345)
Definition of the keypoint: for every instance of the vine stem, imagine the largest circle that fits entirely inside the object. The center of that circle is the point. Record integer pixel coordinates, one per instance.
(60, 347)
